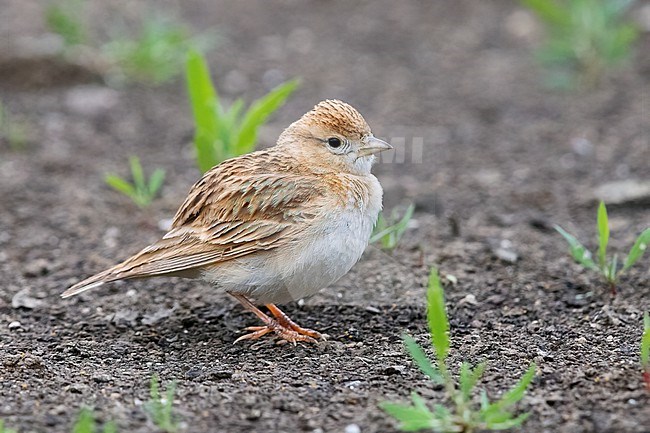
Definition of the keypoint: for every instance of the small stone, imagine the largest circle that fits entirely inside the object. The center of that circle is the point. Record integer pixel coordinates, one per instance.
(373, 310)
(504, 250)
(624, 192)
(91, 100)
(193, 373)
(273, 78)
(23, 299)
(521, 24)
(235, 82)
(36, 268)
(14, 325)
(393, 370)
(468, 299)
(476, 324)
(163, 313)
(581, 146)
(352, 428)
(101, 378)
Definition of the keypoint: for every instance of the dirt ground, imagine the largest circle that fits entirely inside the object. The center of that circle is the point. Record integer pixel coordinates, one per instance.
(503, 159)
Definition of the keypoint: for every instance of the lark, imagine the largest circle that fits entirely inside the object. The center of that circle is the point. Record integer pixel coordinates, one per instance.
(275, 225)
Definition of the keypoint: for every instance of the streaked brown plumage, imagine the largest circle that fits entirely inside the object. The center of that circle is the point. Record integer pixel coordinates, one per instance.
(270, 224)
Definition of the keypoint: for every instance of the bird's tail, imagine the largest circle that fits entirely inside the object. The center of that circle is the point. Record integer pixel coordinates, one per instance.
(166, 257)
(113, 274)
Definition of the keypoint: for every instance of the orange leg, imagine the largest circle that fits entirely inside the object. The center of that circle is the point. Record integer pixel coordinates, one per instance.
(282, 325)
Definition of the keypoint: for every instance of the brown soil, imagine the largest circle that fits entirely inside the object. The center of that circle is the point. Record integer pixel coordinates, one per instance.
(503, 160)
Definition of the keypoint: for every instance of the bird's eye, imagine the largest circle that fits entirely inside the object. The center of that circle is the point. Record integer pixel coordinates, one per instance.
(334, 142)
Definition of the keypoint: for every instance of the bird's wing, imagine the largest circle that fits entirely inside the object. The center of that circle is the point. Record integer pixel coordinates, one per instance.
(236, 209)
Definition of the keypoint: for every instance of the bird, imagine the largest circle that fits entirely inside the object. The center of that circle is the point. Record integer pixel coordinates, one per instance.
(274, 225)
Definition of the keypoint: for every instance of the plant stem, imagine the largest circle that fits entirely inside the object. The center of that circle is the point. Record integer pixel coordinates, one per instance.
(612, 287)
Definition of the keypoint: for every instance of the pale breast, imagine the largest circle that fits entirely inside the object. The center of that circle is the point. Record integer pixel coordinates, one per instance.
(331, 244)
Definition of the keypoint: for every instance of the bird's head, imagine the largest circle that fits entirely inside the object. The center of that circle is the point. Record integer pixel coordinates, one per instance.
(334, 136)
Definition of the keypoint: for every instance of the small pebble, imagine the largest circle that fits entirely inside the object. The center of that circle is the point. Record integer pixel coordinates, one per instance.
(352, 428)
(14, 325)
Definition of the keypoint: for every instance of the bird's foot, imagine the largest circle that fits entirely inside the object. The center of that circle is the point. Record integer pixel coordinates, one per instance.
(281, 325)
(286, 334)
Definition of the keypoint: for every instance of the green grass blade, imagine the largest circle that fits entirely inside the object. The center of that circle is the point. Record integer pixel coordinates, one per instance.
(85, 422)
(611, 272)
(155, 181)
(645, 343)
(403, 223)
(110, 427)
(204, 100)
(233, 114)
(4, 429)
(638, 249)
(64, 19)
(120, 185)
(469, 377)
(437, 317)
(137, 173)
(421, 359)
(549, 11)
(517, 392)
(411, 418)
(603, 235)
(259, 112)
(509, 423)
(579, 253)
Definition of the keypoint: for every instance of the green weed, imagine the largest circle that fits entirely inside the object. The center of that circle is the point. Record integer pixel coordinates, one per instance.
(155, 55)
(607, 268)
(389, 231)
(645, 350)
(141, 191)
(222, 133)
(13, 131)
(160, 409)
(4, 429)
(63, 17)
(585, 38)
(464, 415)
(85, 423)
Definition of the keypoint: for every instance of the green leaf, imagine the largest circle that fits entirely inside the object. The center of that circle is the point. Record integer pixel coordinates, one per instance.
(259, 112)
(437, 317)
(645, 343)
(603, 235)
(204, 100)
(4, 429)
(155, 181)
(513, 396)
(85, 422)
(137, 173)
(411, 418)
(64, 19)
(508, 423)
(120, 185)
(549, 11)
(110, 427)
(579, 253)
(611, 269)
(469, 377)
(421, 359)
(161, 412)
(639, 247)
(389, 234)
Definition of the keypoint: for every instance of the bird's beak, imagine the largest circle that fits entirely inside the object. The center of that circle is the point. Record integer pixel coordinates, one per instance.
(373, 145)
